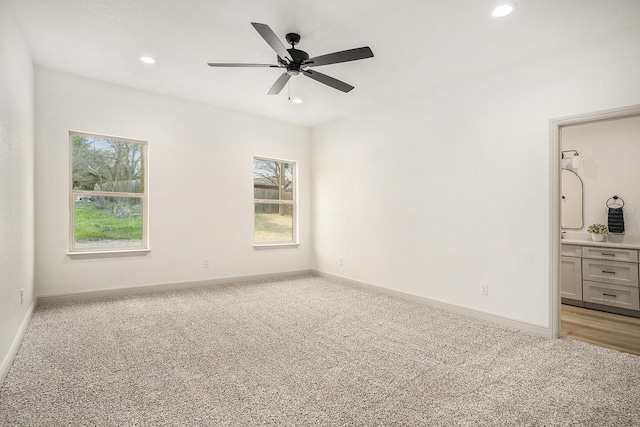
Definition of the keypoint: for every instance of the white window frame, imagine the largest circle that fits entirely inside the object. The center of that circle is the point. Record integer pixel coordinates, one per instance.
(144, 246)
(294, 203)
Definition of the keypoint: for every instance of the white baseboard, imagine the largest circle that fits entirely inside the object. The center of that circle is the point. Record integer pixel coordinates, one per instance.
(13, 350)
(465, 311)
(144, 289)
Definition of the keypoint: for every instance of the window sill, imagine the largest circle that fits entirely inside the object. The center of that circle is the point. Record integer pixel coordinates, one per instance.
(260, 247)
(108, 254)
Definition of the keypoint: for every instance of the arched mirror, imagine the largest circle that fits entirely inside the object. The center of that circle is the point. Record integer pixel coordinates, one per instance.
(571, 204)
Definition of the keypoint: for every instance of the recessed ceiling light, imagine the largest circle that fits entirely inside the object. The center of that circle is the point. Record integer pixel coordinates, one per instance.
(147, 60)
(503, 10)
(296, 101)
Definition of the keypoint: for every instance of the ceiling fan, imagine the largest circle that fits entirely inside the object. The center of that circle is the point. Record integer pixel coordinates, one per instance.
(296, 61)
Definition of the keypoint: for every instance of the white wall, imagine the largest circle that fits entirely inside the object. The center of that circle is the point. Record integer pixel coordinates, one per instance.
(200, 186)
(452, 188)
(16, 182)
(610, 151)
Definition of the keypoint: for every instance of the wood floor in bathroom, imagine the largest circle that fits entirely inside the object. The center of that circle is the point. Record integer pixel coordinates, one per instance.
(608, 330)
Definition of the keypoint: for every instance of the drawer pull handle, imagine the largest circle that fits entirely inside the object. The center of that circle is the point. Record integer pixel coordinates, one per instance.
(608, 272)
(610, 295)
(608, 254)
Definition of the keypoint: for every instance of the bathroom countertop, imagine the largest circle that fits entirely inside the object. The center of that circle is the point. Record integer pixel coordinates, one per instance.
(610, 241)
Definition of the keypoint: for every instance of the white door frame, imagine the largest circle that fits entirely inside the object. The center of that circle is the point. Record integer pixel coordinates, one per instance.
(555, 158)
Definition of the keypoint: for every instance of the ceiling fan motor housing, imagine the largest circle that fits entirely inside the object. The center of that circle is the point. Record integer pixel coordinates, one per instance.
(298, 56)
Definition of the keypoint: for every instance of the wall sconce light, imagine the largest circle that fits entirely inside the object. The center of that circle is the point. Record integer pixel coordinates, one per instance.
(575, 160)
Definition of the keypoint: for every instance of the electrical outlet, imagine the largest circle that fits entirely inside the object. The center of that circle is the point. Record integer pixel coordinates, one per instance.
(21, 296)
(484, 289)
(340, 262)
(205, 263)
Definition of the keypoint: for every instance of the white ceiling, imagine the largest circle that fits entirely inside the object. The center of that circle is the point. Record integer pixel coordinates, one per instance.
(418, 44)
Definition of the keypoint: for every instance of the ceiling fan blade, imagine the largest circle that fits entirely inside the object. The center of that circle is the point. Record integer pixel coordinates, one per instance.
(337, 57)
(329, 81)
(231, 64)
(279, 84)
(270, 37)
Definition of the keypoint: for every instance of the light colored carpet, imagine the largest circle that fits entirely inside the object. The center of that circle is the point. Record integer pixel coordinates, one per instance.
(304, 351)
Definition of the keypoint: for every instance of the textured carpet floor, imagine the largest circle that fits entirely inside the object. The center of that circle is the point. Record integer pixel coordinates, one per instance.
(304, 351)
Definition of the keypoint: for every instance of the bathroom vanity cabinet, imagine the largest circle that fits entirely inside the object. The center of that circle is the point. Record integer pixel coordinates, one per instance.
(600, 276)
(571, 273)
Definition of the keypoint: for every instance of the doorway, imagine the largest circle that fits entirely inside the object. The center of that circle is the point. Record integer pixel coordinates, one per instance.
(556, 128)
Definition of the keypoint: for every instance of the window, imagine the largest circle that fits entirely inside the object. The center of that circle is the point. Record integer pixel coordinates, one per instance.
(108, 203)
(274, 196)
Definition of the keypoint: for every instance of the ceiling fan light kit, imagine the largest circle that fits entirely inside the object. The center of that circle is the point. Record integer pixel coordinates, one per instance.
(296, 61)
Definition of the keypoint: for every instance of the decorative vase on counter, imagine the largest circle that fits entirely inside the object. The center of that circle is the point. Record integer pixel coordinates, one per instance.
(597, 237)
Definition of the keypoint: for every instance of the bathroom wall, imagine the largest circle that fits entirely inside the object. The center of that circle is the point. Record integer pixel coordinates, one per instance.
(610, 152)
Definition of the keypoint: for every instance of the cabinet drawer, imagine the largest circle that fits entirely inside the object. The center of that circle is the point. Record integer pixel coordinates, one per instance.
(615, 295)
(626, 255)
(619, 273)
(571, 250)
